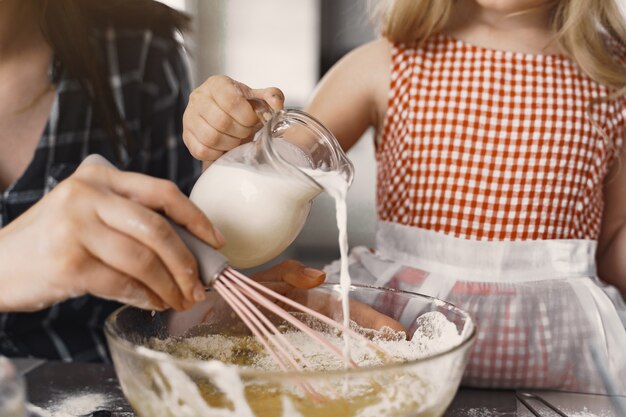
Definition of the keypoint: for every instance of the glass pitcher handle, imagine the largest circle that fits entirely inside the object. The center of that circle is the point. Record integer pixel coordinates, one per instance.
(262, 109)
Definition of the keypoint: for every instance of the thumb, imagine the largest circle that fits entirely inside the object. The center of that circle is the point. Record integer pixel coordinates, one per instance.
(293, 273)
(272, 95)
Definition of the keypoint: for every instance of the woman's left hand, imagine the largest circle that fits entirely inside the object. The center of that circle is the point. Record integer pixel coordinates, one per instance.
(293, 273)
(291, 278)
(298, 277)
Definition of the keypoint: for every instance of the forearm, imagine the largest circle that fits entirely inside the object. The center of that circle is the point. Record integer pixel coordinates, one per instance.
(350, 99)
(611, 260)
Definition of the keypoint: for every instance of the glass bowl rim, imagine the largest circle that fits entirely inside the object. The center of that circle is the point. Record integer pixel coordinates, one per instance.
(195, 365)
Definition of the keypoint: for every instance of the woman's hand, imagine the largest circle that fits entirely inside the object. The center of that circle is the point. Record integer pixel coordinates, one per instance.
(292, 279)
(98, 233)
(219, 117)
(297, 277)
(293, 273)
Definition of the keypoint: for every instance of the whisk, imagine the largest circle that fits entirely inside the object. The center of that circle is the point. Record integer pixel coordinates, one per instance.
(244, 296)
(242, 293)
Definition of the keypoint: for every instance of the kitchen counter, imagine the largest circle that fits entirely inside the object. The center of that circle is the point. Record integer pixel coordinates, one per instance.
(51, 385)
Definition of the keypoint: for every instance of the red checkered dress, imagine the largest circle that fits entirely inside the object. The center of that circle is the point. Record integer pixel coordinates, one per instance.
(491, 145)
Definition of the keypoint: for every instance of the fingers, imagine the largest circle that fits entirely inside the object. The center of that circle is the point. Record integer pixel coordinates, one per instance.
(369, 318)
(361, 313)
(215, 118)
(207, 135)
(145, 246)
(160, 195)
(330, 305)
(219, 116)
(198, 150)
(292, 272)
(225, 121)
(106, 282)
(156, 234)
(232, 98)
(298, 275)
(272, 95)
(134, 259)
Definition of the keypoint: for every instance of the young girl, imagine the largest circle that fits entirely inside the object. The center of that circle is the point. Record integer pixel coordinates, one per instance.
(500, 187)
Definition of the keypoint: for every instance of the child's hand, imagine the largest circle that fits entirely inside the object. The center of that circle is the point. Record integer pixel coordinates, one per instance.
(219, 117)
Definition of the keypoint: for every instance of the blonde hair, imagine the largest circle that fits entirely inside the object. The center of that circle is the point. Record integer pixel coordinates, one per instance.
(591, 32)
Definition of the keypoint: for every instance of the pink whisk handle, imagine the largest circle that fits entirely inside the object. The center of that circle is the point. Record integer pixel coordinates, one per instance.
(211, 263)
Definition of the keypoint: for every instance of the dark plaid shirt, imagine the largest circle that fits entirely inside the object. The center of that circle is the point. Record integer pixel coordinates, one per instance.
(149, 78)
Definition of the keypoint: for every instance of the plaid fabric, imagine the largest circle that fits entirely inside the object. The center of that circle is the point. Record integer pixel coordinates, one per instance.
(149, 78)
(492, 145)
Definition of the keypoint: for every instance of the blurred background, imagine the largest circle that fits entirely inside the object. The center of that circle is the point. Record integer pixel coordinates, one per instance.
(291, 44)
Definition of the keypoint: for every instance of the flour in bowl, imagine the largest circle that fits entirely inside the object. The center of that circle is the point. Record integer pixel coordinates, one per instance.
(434, 334)
(415, 389)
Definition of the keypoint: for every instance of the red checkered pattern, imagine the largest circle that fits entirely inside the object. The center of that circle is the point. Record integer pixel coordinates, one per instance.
(524, 339)
(528, 335)
(493, 145)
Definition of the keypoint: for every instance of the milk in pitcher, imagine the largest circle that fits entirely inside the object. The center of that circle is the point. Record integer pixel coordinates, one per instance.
(259, 211)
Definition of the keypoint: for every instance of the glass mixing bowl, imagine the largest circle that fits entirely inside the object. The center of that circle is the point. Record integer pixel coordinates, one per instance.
(159, 384)
(12, 390)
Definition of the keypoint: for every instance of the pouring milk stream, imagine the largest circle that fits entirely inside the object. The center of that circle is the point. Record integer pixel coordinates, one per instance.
(259, 194)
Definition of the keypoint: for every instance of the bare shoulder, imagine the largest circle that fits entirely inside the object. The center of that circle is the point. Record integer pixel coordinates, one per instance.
(377, 50)
(368, 61)
(367, 70)
(352, 96)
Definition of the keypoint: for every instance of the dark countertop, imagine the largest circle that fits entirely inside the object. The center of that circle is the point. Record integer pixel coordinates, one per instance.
(49, 383)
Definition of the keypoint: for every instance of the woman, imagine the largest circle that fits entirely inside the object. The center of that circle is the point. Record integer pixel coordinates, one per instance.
(80, 77)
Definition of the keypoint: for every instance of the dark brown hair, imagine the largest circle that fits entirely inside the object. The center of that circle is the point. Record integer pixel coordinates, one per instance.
(68, 26)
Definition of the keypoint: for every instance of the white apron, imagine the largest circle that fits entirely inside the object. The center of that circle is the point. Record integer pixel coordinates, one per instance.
(538, 306)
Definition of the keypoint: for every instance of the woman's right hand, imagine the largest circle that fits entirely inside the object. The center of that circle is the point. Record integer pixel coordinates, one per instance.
(99, 232)
(219, 117)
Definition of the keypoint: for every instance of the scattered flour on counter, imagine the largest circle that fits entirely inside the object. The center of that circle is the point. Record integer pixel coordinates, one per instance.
(587, 413)
(73, 406)
(483, 412)
(570, 413)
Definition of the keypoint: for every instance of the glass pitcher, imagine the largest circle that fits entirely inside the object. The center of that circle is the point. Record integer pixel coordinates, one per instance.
(259, 194)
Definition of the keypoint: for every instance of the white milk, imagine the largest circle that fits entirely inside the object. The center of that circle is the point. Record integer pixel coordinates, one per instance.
(259, 212)
(337, 187)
